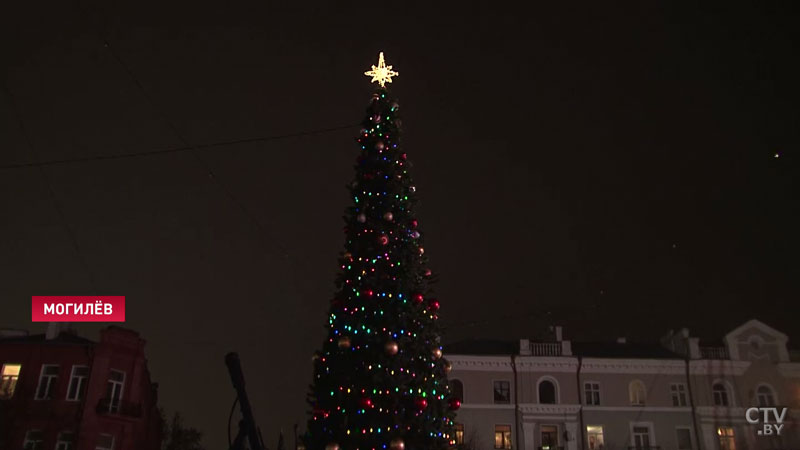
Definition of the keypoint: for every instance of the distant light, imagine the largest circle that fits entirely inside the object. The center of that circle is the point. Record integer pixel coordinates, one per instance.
(777, 155)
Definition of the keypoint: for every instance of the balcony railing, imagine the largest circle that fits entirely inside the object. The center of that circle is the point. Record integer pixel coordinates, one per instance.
(714, 352)
(120, 408)
(545, 348)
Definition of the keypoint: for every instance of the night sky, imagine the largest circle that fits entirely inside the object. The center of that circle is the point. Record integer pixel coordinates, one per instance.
(611, 169)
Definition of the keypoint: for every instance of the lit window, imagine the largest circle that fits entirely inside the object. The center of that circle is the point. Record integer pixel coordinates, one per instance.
(720, 394)
(502, 436)
(47, 382)
(502, 392)
(77, 382)
(459, 433)
(65, 440)
(765, 396)
(8, 380)
(637, 393)
(34, 440)
(678, 393)
(684, 438)
(547, 392)
(595, 435)
(549, 437)
(105, 442)
(726, 437)
(116, 381)
(592, 391)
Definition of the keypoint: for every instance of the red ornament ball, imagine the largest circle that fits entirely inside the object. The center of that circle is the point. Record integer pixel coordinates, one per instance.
(383, 240)
(418, 298)
(380, 145)
(428, 272)
(421, 403)
(414, 223)
(388, 216)
(455, 404)
(421, 251)
(437, 353)
(433, 304)
(391, 348)
(366, 402)
(397, 444)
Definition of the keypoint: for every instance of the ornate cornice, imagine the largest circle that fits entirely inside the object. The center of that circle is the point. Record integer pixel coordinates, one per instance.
(548, 409)
(609, 365)
(547, 364)
(718, 367)
(480, 363)
(789, 370)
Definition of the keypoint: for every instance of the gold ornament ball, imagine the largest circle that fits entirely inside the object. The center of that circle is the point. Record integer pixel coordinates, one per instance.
(392, 348)
(397, 444)
(344, 342)
(448, 367)
(437, 353)
(332, 446)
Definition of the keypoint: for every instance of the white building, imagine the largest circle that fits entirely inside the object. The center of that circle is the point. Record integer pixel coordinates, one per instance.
(674, 395)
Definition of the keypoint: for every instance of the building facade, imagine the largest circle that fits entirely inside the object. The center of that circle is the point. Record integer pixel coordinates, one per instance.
(678, 394)
(64, 392)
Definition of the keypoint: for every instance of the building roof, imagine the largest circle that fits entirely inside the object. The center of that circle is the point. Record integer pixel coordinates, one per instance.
(482, 347)
(487, 347)
(622, 350)
(62, 338)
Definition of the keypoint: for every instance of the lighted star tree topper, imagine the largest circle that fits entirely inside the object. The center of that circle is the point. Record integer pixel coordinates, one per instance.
(381, 73)
(380, 379)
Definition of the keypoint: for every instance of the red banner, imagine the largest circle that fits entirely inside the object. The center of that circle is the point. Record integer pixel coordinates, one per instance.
(60, 308)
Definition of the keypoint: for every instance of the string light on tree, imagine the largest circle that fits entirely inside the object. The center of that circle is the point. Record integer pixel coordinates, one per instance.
(380, 378)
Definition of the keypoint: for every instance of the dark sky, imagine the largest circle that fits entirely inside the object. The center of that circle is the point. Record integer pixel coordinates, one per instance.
(610, 168)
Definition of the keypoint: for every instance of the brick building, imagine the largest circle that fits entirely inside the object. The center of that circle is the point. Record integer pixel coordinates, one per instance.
(64, 392)
(677, 394)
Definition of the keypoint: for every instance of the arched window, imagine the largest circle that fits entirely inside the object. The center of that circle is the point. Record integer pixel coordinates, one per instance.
(457, 388)
(720, 394)
(765, 396)
(547, 392)
(637, 393)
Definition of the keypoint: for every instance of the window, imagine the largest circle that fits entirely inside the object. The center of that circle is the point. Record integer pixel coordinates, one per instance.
(459, 434)
(683, 438)
(595, 435)
(105, 442)
(47, 382)
(720, 394)
(457, 388)
(502, 392)
(116, 381)
(678, 392)
(65, 440)
(726, 437)
(592, 391)
(502, 436)
(549, 437)
(34, 440)
(77, 382)
(641, 437)
(8, 380)
(765, 396)
(637, 393)
(547, 392)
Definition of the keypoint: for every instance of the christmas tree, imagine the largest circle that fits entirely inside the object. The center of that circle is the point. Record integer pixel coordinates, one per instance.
(380, 381)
